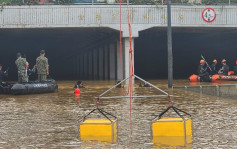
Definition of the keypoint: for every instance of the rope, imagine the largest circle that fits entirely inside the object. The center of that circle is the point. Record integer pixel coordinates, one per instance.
(170, 101)
(131, 73)
(98, 102)
(121, 51)
(131, 69)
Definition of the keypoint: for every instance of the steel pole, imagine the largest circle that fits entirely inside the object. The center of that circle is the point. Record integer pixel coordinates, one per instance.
(169, 45)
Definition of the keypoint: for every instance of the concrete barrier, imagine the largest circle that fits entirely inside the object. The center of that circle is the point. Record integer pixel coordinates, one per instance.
(226, 90)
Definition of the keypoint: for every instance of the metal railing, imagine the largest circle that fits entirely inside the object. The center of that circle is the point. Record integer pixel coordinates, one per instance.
(116, 2)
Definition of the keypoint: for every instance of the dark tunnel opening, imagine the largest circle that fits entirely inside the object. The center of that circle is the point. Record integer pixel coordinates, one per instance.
(60, 44)
(188, 45)
(150, 48)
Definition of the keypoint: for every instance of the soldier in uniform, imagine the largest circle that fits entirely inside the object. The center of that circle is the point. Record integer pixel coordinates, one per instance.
(42, 66)
(22, 65)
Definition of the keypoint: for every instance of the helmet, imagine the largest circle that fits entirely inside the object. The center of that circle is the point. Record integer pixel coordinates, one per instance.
(42, 51)
(202, 61)
(18, 54)
(223, 61)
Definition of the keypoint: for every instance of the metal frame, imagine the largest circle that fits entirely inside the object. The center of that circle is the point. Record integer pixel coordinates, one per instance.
(100, 111)
(133, 77)
(177, 111)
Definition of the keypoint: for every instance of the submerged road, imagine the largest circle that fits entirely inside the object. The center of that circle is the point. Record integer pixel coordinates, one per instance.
(50, 120)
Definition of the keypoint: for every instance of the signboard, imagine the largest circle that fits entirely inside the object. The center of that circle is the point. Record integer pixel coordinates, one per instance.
(209, 15)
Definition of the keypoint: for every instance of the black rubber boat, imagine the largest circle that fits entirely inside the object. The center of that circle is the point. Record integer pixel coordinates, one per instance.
(35, 87)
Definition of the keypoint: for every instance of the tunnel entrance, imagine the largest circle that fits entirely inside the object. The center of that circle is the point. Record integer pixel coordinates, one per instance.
(60, 44)
(188, 45)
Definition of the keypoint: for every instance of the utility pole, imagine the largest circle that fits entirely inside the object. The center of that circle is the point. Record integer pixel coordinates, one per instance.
(169, 45)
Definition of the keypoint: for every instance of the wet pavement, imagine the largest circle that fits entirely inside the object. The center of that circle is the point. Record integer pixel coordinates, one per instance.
(51, 120)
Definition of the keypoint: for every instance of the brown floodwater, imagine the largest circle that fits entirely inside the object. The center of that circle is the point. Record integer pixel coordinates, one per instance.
(51, 120)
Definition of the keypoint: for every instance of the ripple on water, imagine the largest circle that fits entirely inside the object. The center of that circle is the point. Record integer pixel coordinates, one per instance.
(50, 120)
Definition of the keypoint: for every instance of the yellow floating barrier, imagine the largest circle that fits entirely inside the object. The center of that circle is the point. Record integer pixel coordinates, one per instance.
(103, 130)
(174, 126)
(98, 129)
(173, 131)
(172, 141)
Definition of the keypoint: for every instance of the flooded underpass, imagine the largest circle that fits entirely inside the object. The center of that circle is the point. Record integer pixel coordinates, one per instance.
(51, 120)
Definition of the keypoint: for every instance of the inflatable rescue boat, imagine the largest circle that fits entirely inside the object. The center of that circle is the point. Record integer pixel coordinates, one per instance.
(48, 86)
(215, 78)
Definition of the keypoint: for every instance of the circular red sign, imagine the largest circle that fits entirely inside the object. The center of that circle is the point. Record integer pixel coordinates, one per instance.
(209, 15)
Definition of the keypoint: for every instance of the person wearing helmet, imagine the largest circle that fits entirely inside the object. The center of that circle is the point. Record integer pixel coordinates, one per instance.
(213, 67)
(79, 84)
(22, 65)
(119, 85)
(224, 69)
(235, 68)
(202, 72)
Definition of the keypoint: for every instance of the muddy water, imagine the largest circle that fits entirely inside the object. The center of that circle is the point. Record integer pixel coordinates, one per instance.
(50, 120)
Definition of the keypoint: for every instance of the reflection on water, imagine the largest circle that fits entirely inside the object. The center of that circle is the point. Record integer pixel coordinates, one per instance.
(172, 141)
(50, 120)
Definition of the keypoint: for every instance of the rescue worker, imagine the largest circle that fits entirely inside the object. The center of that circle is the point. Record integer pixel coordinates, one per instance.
(32, 75)
(224, 69)
(22, 65)
(145, 85)
(42, 66)
(119, 84)
(235, 68)
(3, 74)
(79, 84)
(203, 74)
(213, 67)
(27, 67)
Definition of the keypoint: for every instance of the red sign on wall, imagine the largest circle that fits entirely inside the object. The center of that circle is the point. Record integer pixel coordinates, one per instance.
(209, 15)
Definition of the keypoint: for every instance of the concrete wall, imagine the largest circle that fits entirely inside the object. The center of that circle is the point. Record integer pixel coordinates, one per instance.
(102, 63)
(101, 60)
(142, 16)
(112, 61)
(226, 91)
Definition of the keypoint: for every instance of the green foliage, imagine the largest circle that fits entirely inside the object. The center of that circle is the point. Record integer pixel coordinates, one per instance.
(143, 1)
(216, 2)
(18, 2)
(64, 2)
(134, 2)
(5, 1)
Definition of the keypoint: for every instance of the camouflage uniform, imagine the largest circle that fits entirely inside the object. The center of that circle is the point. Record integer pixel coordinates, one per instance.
(21, 64)
(41, 64)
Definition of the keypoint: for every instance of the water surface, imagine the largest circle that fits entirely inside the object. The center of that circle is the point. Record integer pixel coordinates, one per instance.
(50, 120)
